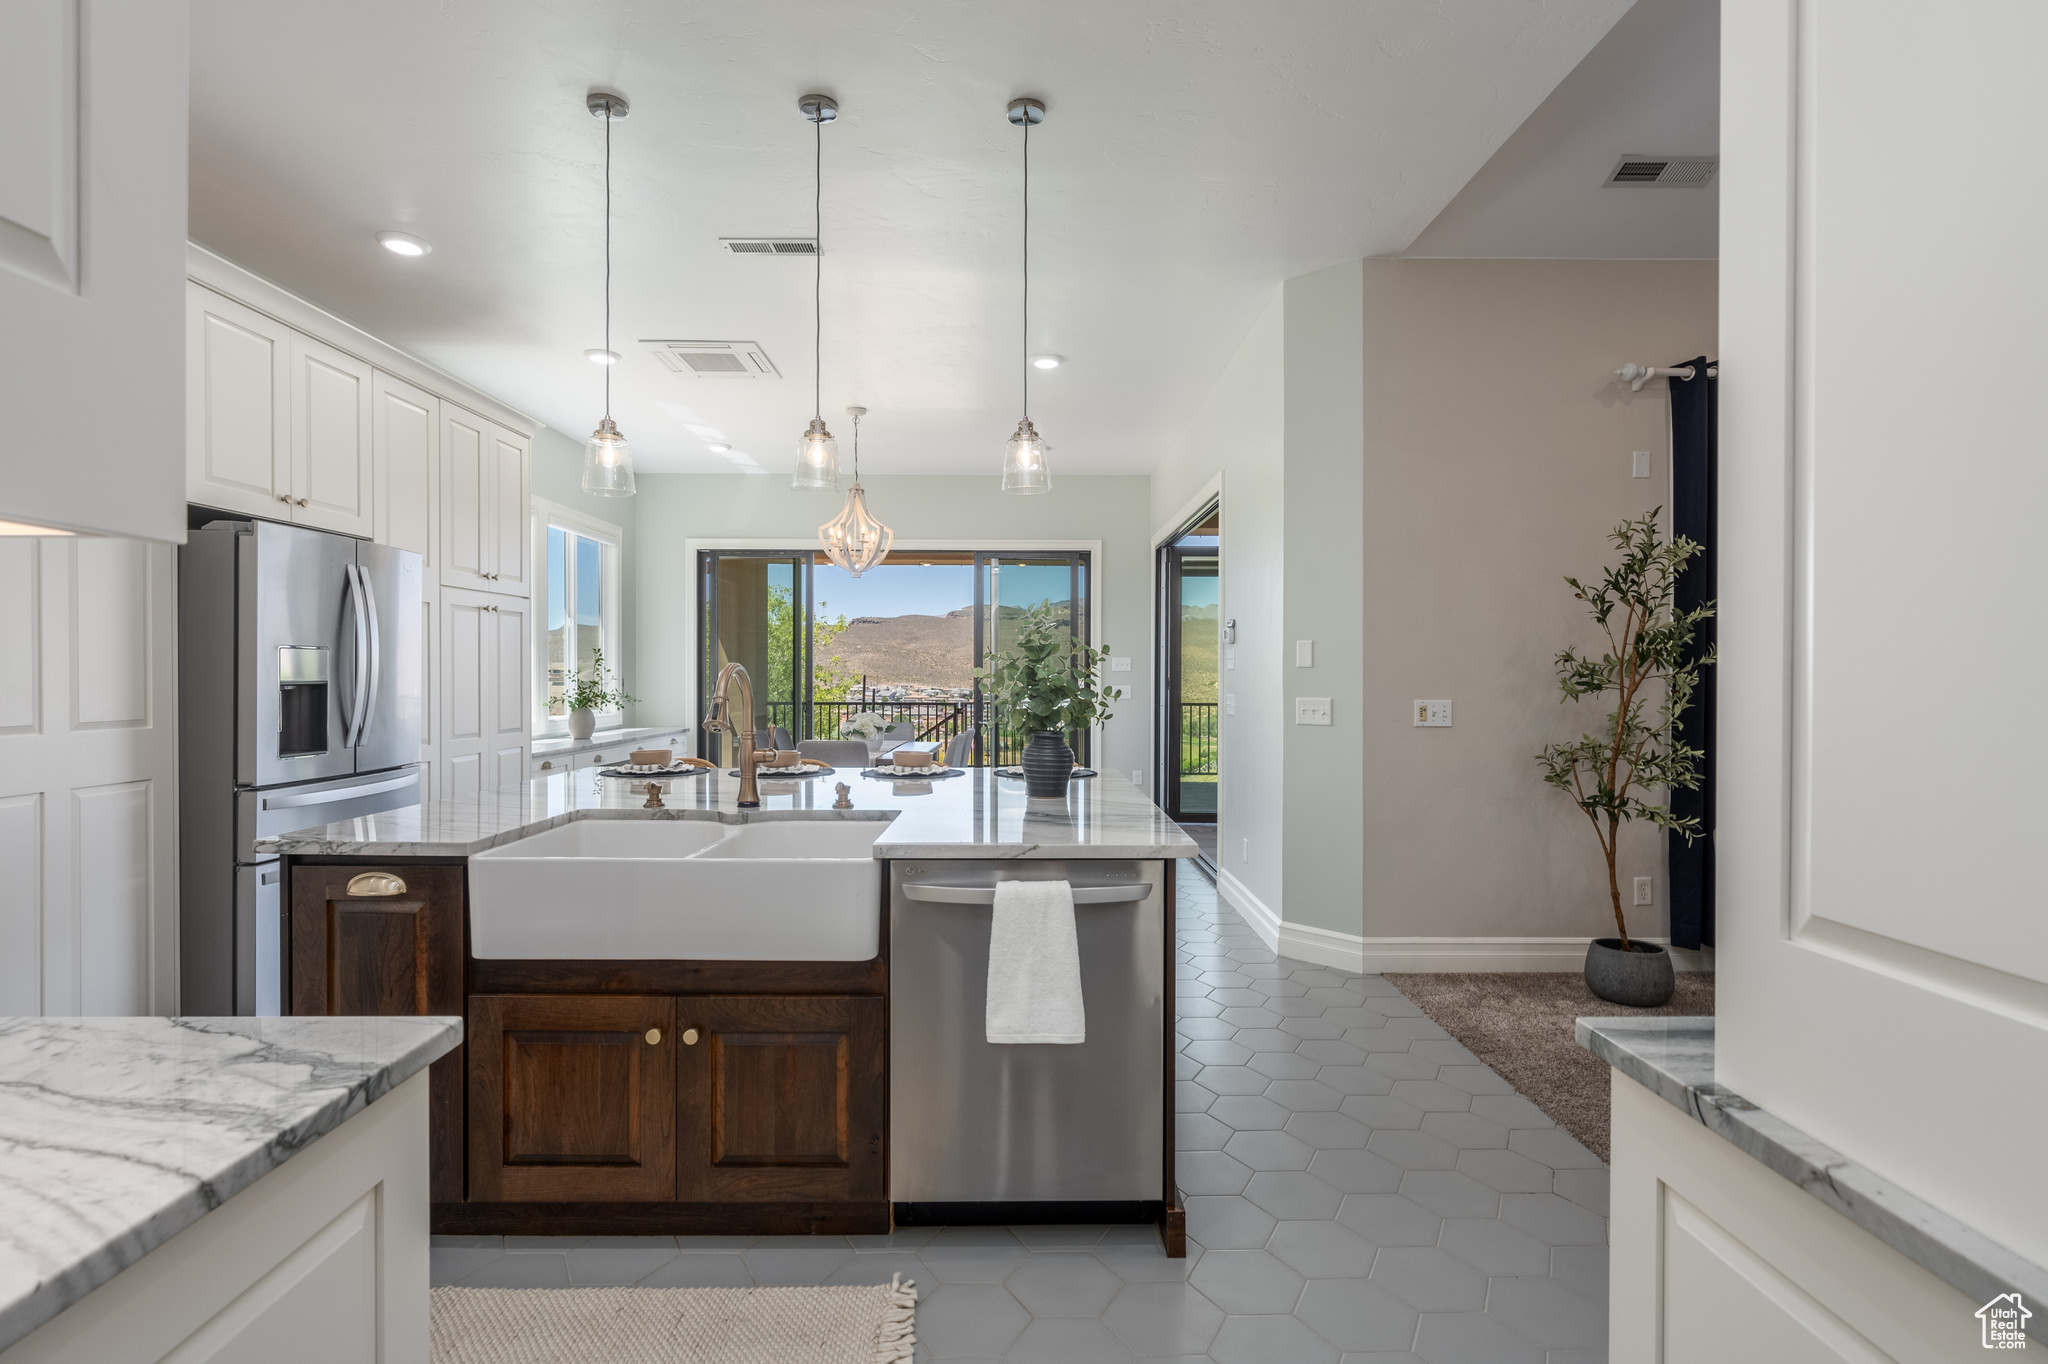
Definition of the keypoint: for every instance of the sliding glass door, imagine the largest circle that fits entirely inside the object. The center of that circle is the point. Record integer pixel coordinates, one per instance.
(901, 641)
(1189, 722)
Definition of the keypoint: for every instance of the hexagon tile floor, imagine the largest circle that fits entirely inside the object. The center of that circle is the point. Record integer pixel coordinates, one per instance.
(1359, 1188)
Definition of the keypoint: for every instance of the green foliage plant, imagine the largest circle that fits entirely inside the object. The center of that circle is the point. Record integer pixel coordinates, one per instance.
(1649, 668)
(1047, 679)
(591, 693)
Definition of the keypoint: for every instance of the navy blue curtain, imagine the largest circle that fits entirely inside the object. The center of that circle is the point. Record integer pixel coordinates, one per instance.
(1695, 486)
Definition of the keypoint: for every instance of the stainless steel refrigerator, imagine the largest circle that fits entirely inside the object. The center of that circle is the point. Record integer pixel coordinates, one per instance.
(299, 693)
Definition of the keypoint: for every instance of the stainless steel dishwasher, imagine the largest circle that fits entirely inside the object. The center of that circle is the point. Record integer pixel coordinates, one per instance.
(998, 1126)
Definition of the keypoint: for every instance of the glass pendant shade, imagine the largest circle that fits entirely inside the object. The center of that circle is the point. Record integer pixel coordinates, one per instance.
(817, 458)
(854, 539)
(1024, 470)
(607, 462)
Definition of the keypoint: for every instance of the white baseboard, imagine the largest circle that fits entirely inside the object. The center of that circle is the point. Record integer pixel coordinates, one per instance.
(1262, 919)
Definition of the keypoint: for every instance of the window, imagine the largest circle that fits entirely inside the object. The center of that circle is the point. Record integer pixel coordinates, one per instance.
(582, 616)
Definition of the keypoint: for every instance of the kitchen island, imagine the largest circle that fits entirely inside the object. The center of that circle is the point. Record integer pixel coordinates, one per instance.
(238, 1187)
(791, 1104)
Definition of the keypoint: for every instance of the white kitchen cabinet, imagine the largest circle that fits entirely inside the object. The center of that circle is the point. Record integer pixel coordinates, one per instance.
(485, 505)
(330, 450)
(238, 433)
(406, 465)
(485, 691)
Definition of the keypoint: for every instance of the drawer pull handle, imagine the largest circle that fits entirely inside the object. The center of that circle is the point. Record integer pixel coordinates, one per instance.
(654, 1037)
(375, 883)
(689, 1037)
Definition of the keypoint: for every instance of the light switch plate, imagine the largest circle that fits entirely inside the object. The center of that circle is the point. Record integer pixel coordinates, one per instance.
(1642, 464)
(1230, 703)
(1432, 715)
(1119, 665)
(1230, 658)
(1304, 653)
(1311, 710)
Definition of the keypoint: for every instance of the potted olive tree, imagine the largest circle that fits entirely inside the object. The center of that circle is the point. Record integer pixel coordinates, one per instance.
(1651, 672)
(589, 695)
(1046, 685)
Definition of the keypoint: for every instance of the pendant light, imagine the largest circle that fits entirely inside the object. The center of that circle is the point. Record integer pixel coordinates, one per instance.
(607, 459)
(817, 454)
(1024, 470)
(854, 539)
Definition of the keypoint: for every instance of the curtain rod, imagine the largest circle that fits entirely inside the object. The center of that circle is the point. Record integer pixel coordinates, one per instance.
(1635, 376)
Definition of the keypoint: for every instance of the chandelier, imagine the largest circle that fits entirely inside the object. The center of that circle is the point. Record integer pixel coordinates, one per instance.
(854, 539)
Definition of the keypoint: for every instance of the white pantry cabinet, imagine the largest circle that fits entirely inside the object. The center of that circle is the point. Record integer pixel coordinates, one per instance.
(486, 701)
(485, 505)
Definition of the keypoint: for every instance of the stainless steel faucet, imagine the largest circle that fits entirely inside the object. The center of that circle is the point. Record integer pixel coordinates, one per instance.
(720, 721)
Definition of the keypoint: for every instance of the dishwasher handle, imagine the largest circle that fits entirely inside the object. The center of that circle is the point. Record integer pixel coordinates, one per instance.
(986, 895)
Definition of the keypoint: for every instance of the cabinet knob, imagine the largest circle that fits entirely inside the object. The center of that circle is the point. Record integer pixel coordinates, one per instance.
(689, 1037)
(300, 503)
(546, 765)
(654, 1037)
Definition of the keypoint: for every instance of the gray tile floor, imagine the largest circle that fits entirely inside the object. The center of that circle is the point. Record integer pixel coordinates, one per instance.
(1359, 1188)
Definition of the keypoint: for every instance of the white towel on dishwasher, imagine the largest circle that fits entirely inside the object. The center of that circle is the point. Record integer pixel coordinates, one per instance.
(1034, 965)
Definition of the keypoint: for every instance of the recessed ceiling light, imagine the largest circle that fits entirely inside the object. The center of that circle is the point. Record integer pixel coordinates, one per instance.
(1048, 361)
(601, 357)
(718, 447)
(403, 244)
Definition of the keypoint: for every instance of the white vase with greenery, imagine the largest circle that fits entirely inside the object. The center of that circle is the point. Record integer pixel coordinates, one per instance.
(589, 694)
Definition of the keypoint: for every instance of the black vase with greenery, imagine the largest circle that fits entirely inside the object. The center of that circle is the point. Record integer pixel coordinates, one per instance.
(1046, 684)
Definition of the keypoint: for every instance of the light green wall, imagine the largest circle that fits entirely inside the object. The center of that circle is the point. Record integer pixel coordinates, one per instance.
(1236, 439)
(967, 512)
(1323, 798)
(558, 477)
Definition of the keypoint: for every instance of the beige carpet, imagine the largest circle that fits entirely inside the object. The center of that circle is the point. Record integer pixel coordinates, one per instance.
(863, 1325)
(1520, 1023)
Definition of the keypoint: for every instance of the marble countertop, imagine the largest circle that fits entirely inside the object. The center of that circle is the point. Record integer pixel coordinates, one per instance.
(1674, 1058)
(118, 1133)
(977, 815)
(555, 745)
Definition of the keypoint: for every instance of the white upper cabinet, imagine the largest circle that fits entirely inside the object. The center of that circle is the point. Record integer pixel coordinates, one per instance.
(484, 500)
(406, 440)
(238, 434)
(331, 411)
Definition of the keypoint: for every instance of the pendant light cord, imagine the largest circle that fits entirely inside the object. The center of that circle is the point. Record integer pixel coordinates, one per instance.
(608, 264)
(1025, 336)
(818, 270)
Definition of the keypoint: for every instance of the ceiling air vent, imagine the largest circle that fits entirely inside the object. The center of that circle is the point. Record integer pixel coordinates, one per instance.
(770, 246)
(1685, 172)
(715, 359)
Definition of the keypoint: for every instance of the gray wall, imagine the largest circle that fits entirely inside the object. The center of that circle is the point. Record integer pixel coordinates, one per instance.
(968, 512)
(558, 477)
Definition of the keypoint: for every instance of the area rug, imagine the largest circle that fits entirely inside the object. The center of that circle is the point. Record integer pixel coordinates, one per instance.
(825, 1325)
(1520, 1023)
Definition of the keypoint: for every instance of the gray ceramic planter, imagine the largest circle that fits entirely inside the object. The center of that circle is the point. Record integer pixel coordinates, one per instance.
(1640, 976)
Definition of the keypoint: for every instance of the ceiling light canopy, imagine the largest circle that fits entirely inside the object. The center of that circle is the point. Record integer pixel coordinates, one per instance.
(817, 453)
(855, 540)
(1047, 361)
(404, 244)
(1024, 470)
(607, 458)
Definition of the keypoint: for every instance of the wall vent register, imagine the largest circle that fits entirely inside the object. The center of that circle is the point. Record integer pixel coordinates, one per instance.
(715, 359)
(1682, 172)
(769, 246)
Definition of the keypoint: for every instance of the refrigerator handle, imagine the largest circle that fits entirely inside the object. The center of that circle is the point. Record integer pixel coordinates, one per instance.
(359, 618)
(376, 668)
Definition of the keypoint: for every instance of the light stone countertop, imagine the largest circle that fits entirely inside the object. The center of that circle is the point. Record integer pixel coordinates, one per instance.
(118, 1133)
(976, 815)
(1674, 1059)
(559, 745)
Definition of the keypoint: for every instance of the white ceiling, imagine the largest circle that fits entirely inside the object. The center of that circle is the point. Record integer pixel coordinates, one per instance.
(1195, 155)
(1651, 85)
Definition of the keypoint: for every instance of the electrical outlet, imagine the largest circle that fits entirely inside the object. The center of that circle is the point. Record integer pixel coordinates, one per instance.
(1138, 777)
(1311, 710)
(1304, 653)
(1246, 856)
(1643, 890)
(1642, 464)
(1119, 665)
(1230, 703)
(1432, 715)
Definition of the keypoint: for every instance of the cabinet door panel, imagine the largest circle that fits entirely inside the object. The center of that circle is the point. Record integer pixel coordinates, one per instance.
(572, 1098)
(782, 1098)
(237, 406)
(511, 508)
(467, 540)
(331, 455)
(406, 432)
